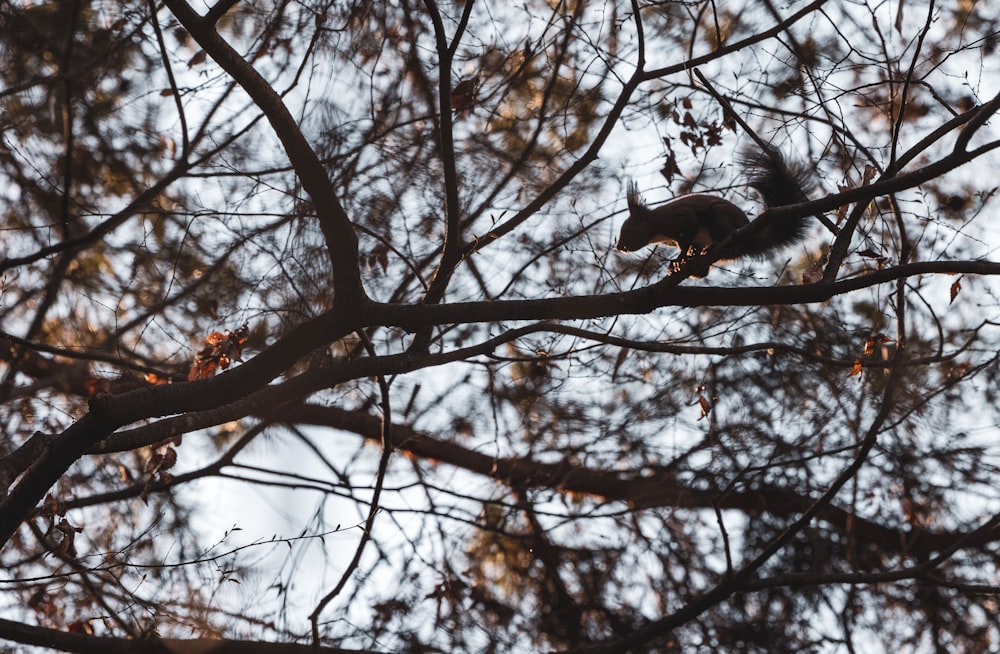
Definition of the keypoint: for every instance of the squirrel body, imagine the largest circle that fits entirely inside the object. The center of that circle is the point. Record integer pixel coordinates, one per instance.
(697, 222)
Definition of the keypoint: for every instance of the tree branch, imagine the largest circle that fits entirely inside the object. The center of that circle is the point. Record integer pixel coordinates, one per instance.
(341, 240)
(64, 641)
(637, 490)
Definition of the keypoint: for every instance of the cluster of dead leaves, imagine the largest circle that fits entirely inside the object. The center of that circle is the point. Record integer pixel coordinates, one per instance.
(463, 96)
(163, 458)
(874, 351)
(218, 351)
(52, 509)
(696, 136)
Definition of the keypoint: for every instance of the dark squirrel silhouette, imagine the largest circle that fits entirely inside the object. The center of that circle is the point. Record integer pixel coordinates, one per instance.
(697, 223)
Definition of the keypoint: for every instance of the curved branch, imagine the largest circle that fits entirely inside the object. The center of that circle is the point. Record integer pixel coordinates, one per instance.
(638, 490)
(341, 240)
(732, 583)
(385, 433)
(737, 46)
(71, 642)
(109, 412)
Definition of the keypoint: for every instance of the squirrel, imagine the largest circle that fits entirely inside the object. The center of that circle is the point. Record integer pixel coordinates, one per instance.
(697, 222)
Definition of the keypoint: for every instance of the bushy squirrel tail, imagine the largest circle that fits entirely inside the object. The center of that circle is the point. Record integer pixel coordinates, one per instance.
(779, 184)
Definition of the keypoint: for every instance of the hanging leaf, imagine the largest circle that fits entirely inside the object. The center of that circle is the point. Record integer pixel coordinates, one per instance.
(198, 58)
(706, 406)
(463, 96)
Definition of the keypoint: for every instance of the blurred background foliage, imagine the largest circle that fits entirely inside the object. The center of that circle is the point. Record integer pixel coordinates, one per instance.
(146, 204)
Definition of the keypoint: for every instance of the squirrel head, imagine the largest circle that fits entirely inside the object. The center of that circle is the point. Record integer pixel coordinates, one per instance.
(635, 232)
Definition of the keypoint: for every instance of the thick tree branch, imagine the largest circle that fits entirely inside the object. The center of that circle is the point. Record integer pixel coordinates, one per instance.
(637, 490)
(341, 240)
(665, 293)
(63, 641)
(109, 412)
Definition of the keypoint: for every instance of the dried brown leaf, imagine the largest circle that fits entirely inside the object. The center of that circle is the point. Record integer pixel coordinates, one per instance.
(706, 406)
(198, 58)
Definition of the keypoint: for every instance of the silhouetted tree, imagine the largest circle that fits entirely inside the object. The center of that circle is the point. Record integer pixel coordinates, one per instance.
(352, 264)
